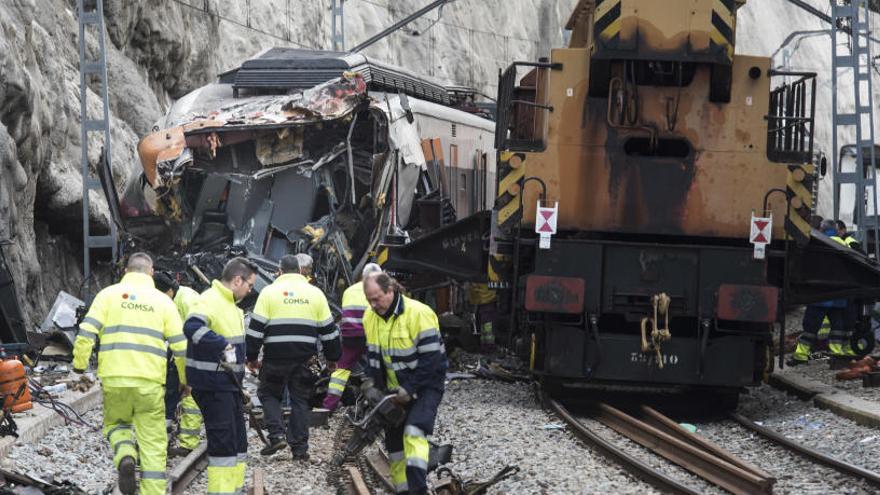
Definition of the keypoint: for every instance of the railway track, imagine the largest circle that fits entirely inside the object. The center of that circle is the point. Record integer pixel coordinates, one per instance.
(188, 469)
(844, 467)
(666, 438)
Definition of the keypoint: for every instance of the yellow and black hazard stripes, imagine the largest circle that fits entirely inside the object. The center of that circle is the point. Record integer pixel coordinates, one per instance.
(511, 170)
(799, 188)
(723, 26)
(499, 273)
(382, 256)
(607, 15)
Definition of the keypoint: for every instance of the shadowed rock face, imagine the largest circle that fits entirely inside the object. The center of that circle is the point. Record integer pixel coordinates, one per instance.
(159, 50)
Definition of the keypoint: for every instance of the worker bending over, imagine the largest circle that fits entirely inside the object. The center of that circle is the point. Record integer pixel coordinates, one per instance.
(289, 319)
(134, 323)
(405, 353)
(214, 365)
(354, 343)
(190, 416)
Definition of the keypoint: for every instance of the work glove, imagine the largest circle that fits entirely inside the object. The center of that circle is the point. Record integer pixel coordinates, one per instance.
(79, 371)
(402, 397)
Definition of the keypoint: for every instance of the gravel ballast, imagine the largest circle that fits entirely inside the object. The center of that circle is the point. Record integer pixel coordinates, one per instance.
(494, 424)
(817, 428)
(73, 453)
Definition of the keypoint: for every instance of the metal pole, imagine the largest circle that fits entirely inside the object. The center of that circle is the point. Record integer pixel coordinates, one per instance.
(338, 35)
(84, 155)
(403, 22)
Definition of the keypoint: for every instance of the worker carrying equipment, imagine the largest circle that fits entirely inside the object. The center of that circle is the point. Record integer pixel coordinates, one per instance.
(133, 322)
(405, 353)
(354, 343)
(835, 311)
(290, 318)
(177, 395)
(382, 413)
(215, 333)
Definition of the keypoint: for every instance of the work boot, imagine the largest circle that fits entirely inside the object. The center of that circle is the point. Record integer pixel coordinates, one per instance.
(299, 453)
(127, 482)
(275, 444)
(796, 362)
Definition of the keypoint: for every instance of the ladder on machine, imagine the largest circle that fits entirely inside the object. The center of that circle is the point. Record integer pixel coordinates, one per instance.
(850, 21)
(91, 19)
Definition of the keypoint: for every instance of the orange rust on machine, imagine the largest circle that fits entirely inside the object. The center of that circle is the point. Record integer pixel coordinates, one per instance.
(12, 379)
(683, 164)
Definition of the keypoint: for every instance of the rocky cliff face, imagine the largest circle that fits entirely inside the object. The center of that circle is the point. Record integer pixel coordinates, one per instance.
(159, 50)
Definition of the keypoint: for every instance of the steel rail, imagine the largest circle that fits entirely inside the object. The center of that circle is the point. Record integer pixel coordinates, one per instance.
(811, 454)
(700, 462)
(185, 472)
(664, 423)
(381, 467)
(629, 463)
(358, 485)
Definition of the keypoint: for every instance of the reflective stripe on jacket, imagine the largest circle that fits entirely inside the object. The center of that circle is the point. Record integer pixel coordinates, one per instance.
(354, 303)
(407, 345)
(290, 318)
(214, 321)
(133, 322)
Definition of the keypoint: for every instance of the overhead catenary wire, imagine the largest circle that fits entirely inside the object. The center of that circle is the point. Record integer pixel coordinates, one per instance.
(205, 9)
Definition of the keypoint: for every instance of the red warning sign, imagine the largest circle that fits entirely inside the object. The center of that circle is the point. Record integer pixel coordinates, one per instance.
(762, 228)
(545, 220)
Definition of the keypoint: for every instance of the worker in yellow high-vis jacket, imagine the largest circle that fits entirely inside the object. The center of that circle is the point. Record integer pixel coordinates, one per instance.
(189, 433)
(133, 322)
(406, 356)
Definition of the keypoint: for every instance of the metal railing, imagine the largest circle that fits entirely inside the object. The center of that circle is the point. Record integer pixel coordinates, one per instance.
(791, 119)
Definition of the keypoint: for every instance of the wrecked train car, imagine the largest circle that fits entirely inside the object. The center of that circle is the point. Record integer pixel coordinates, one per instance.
(298, 151)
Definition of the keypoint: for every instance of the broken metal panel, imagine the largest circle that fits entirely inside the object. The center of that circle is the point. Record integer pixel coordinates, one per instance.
(294, 196)
(278, 246)
(210, 197)
(246, 196)
(257, 229)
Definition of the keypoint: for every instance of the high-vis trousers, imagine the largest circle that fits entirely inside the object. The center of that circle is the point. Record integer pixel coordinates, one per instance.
(812, 322)
(190, 416)
(141, 408)
(352, 350)
(407, 445)
(190, 423)
(225, 428)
